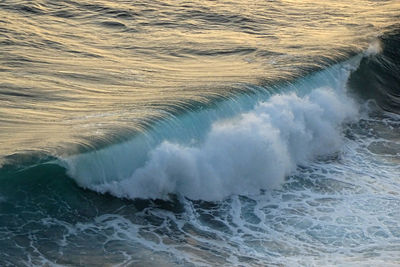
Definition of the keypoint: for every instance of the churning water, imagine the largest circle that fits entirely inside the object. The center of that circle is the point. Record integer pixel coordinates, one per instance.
(205, 133)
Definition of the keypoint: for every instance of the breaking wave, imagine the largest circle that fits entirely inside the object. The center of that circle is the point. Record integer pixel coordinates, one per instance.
(226, 153)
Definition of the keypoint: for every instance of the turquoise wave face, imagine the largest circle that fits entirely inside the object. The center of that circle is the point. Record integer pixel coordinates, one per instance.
(77, 76)
(199, 133)
(334, 210)
(239, 147)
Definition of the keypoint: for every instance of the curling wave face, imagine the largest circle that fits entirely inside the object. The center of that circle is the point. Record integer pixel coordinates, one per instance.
(211, 102)
(339, 205)
(77, 76)
(378, 77)
(244, 154)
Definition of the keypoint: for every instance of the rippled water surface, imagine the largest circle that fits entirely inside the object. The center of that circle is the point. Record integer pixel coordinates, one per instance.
(199, 133)
(76, 73)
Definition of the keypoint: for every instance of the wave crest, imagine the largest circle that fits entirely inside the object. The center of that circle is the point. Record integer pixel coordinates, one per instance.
(255, 151)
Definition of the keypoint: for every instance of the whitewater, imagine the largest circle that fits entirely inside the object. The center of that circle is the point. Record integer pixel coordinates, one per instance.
(199, 133)
(242, 154)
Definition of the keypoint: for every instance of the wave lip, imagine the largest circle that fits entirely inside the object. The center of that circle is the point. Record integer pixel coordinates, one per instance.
(244, 154)
(378, 77)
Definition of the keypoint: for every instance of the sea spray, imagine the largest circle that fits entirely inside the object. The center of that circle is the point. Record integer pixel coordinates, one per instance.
(254, 151)
(242, 154)
(128, 94)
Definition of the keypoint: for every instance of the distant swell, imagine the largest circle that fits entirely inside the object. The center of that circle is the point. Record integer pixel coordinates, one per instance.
(228, 154)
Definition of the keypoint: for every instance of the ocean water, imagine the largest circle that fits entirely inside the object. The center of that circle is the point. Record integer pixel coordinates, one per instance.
(199, 133)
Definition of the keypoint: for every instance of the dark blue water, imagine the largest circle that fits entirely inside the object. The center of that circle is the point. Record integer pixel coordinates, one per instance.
(199, 133)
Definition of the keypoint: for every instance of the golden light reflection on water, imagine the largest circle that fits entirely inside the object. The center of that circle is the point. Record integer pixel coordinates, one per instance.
(77, 73)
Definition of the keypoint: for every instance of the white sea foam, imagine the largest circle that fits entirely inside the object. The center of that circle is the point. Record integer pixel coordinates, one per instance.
(329, 212)
(213, 154)
(253, 151)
